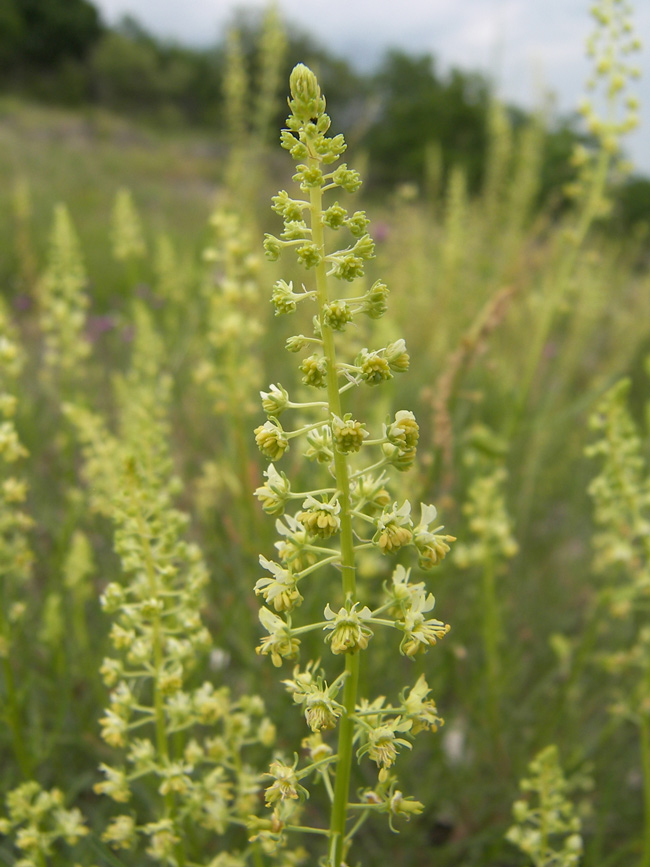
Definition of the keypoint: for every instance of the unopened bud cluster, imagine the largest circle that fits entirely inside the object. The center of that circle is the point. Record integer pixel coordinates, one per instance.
(611, 48)
(231, 293)
(63, 302)
(488, 521)
(39, 823)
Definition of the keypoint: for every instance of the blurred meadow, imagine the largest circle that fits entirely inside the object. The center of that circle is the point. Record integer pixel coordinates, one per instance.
(136, 332)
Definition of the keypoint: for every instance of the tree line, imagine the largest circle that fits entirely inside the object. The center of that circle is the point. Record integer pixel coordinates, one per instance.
(61, 51)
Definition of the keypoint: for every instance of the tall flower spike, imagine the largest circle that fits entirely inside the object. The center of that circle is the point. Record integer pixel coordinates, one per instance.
(350, 511)
(63, 302)
(548, 829)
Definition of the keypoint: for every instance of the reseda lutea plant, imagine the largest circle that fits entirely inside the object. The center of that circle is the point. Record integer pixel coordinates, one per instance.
(350, 515)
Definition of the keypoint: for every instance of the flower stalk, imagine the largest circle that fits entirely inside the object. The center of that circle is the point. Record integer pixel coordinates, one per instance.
(338, 524)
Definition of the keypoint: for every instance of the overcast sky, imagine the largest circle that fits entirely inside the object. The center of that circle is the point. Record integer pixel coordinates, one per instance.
(526, 46)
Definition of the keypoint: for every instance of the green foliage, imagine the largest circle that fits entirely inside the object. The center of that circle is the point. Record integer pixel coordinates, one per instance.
(41, 34)
(397, 113)
(418, 107)
(130, 72)
(632, 204)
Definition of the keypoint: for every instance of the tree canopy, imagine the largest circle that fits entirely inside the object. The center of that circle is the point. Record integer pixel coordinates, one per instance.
(61, 51)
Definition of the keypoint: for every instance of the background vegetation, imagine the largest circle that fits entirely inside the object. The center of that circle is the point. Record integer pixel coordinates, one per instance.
(406, 116)
(519, 312)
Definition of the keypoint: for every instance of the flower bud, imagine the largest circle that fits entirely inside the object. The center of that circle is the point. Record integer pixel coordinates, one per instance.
(374, 367)
(283, 297)
(337, 314)
(404, 431)
(335, 216)
(275, 400)
(272, 247)
(347, 630)
(320, 519)
(271, 440)
(397, 356)
(357, 223)
(394, 529)
(120, 833)
(309, 255)
(306, 102)
(347, 178)
(348, 435)
(295, 343)
(314, 368)
(348, 267)
(273, 494)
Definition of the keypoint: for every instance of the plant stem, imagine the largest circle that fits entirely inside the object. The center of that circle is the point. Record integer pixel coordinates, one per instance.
(339, 811)
(13, 718)
(644, 735)
(491, 635)
(569, 257)
(569, 254)
(159, 711)
(158, 653)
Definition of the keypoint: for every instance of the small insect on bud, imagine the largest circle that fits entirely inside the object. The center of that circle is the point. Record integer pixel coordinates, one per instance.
(306, 102)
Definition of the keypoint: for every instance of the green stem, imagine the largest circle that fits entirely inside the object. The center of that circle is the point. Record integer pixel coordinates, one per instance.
(491, 634)
(568, 261)
(79, 621)
(543, 811)
(338, 816)
(645, 764)
(13, 718)
(158, 654)
(158, 659)
(568, 258)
